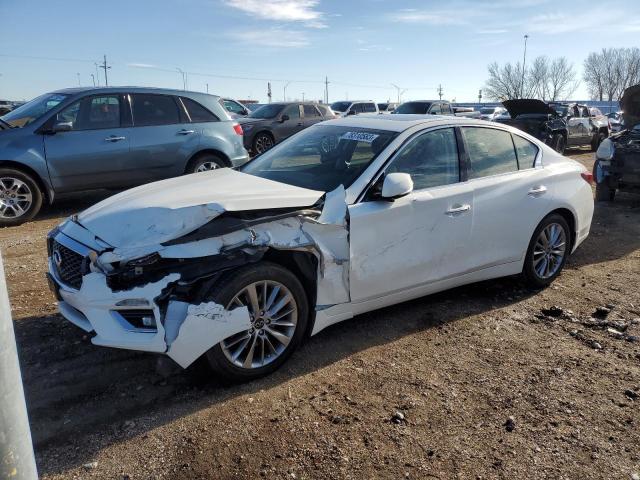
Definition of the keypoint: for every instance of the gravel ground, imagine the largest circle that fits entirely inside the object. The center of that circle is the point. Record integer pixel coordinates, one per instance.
(486, 381)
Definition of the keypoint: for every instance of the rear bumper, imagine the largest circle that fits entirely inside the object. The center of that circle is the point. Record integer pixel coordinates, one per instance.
(239, 160)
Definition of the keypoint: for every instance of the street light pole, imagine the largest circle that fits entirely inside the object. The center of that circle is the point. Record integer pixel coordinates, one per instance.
(184, 82)
(524, 63)
(284, 90)
(78, 74)
(93, 78)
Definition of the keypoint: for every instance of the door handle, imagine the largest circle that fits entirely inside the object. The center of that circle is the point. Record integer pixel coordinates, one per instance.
(458, 209)
(186, 132)
(537, 191)
(114, 138)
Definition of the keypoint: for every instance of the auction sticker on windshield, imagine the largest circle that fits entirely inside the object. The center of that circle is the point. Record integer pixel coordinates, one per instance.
(360, 136)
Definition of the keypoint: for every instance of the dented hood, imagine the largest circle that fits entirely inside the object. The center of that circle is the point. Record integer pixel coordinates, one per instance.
(165, 210)
(630, 104)
(527, 106)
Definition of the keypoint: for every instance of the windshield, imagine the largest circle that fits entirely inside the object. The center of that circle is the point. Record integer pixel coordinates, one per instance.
(321, 157)
(33, 110)
(561, 109)
(420, 108)
(267, 111)
(340, 106)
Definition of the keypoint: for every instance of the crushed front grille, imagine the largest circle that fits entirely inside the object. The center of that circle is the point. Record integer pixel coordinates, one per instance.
(69, 265)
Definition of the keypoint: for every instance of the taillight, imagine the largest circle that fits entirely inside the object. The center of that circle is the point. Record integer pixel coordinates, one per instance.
(588, 177)
(238, 128)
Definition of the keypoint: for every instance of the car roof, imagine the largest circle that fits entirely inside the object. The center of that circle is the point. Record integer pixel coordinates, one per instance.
(424, 101)
(401, 122)
(131, 89)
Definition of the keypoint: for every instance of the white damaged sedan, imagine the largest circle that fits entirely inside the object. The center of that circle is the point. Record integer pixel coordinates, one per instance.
(237, 267)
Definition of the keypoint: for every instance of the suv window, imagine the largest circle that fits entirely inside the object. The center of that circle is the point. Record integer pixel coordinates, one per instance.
(92, 113)
(435, 109)
(446, 108)
(197, 112)
(526, 152)
(154, 110)
(369, 107)
(490, 151)
(233, 106)
(357, 108)
(310, 111)
(431, 159)
(293, 111)
(324, 110)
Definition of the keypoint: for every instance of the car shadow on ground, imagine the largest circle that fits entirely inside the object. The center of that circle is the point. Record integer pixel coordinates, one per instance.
(72, 203)
(83, 390)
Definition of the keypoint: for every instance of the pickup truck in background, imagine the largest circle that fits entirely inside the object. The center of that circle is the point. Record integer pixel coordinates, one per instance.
(466, 112)
(585, 126)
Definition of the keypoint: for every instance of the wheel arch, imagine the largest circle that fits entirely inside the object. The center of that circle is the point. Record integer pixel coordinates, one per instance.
(207, 151)
(570, 218)
(44, 188)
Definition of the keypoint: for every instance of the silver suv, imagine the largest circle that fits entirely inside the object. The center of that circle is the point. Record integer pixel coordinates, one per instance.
(114, 137)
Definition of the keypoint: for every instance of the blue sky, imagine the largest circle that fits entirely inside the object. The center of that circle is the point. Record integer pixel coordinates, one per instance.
(235, 46)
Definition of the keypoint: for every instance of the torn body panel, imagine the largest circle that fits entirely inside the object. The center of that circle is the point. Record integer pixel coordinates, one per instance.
(183, 324)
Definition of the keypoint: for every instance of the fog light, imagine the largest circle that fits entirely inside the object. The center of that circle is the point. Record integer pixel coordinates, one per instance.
(148, 321)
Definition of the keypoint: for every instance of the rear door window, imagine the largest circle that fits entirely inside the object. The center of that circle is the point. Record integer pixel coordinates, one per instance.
(154, 110)
(369, 107)
(197, 112)
(490, 150)
(310, 111)
(293, 111)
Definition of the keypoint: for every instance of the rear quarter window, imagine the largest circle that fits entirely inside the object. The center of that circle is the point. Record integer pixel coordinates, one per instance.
(526, 151)
(197, 112)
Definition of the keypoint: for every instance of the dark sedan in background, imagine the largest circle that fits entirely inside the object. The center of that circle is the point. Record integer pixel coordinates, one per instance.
(274, 122)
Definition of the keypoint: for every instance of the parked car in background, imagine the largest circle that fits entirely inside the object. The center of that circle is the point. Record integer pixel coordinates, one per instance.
(5, 106)
(425, 107)
(274, 122)
(538, 119)
(235, 108)
(112, 137)
(348, 107)
(585, 126)
(490, 113)
(468, 112)
(616, 121)
(388, 107)
(617, 165)
(237, 267)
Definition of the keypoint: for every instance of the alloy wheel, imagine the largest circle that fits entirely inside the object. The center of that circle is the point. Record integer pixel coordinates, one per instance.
(549, 250)
(263, 143)
(274, 317)
(206, 166)
(15, 197)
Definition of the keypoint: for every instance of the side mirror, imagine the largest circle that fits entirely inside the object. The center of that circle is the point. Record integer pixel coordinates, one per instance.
(284, 118)
(351, 112)
(62, 127)
(396, 185)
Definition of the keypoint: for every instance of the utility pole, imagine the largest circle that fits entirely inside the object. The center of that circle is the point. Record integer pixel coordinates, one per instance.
(97, 74)
(78, 74)
(184, 79)
(269, 91)
(440, 91)
(207, 87)
(326, 90)
(524, 64)
(93, 79)
(284, 91)
(399, 91)
(303, 96)
(105, 67)
(480, 96)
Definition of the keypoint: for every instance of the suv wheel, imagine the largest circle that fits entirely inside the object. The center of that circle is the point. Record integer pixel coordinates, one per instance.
(279, 313)
(559, 143)
(262, 143)
(597, 140)
(205, 162)
(20, 197)
(548, 250)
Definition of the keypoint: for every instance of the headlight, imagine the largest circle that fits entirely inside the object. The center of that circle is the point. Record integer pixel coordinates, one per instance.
(606, 150)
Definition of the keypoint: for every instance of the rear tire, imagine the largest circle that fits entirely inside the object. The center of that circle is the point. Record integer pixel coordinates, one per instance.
(559, 143)
(205, 162)
(262, 142)
(20, 197)
(288, 327)
(548, 250)
(597, 140)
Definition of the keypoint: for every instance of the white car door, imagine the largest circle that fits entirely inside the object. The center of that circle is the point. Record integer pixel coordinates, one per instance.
(508, 200)
(419, 238)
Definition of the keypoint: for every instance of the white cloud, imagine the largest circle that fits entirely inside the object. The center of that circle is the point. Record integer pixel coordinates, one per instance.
(492, 31)
(141, 65)
(430, 17)
(562, 22)
(282, 10)
(276, 37)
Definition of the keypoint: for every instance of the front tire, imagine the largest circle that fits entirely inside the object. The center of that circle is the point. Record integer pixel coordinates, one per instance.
(20, 197)
(262, 143)
(597, 140)
(604, 192)
(559, 143)
(548, 250)
(279, 309)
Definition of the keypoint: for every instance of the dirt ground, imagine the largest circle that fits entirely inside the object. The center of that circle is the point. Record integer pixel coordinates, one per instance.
(484, 381)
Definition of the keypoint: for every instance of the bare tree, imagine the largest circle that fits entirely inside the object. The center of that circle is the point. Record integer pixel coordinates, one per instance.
(545, 79)
(593, 75)
(609, 72)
